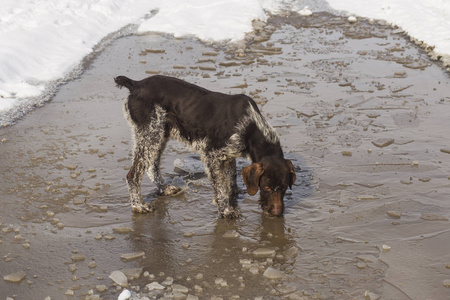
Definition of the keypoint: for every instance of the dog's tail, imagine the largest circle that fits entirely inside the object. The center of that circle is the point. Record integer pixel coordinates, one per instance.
(122, 81)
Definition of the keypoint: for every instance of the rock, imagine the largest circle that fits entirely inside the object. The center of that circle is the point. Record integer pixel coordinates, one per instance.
(191, 297)
(394, 214)
(133, 273)
(92, 264)
(191, 166)
(72, 267)
(78, 257)
(291, 252)
(132, 256)
(123, 230)
(272, 273)
(15, 277)
(154, 286)
(119, 278)
(447, 283)
(231, 234)
(69, 292)
(168, 281)
(371, 296)
(383, 142)
(125, 295)
(179, 288)
(188, 234)
(352, 19)
(264, 252)
(101, 288)
(433, 217)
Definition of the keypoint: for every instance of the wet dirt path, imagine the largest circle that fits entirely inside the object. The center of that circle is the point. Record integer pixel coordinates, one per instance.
(358, 107)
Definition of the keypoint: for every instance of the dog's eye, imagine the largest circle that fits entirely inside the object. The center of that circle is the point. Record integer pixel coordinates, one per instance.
(267, 188)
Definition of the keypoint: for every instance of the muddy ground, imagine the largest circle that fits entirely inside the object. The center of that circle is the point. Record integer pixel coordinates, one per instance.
(359, 108)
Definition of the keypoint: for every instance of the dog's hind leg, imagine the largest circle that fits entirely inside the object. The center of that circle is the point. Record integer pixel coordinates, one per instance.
(222, 175)
(149, 143)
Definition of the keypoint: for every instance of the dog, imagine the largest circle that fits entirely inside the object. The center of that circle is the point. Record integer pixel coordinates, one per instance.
(219, 127)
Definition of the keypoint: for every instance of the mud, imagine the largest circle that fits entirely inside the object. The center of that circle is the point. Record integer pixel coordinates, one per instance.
(361, 109)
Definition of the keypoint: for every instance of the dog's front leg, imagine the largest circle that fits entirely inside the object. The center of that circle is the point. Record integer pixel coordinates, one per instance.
(222, 175)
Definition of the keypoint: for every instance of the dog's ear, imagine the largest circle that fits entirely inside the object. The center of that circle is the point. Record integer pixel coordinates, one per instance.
(251, 176)
(292, 176)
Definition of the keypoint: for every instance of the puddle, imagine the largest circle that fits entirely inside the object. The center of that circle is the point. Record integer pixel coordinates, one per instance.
(358, 107)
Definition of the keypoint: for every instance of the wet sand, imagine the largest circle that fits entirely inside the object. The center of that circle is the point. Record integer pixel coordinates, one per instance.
(359, 108)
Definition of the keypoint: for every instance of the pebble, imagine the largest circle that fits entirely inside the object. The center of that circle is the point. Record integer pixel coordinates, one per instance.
(123, 230)
(132, 256)
(352, 19)
(191, 297)
(101, 288)
(133, 273)
(272, 273)
(394, 214)
(447, 283)
(383, 142)
(78, 257)
(371, 296)
(264, 252)
(69, 292)
(154, 286)
(119, 278)
(168, 281)
(125, 295)
(185, 245)
(15, 277)
(433, 217)
(231, 234)
(179, 288)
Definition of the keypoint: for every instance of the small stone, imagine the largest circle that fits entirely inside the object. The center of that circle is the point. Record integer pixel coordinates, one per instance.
(185, 245)
(264, 252)
(447, 283)
(168, 281)
(179, 288)
(352, 19)
(394, 214)
(134, 273)
(188, 234)
(78, 257)
(101, 288)
(69, 292)
(231, 234)
(383, 142)
(347, 153)
(123, 230)
(119, 278)
(199, 276)
(424, 179)
(385, 248)
(154, 286)
(371, 296)
(198, 289)
(15, 277)
(433, 217)
(272, 273)
(361, 265)
(132, 256)
(72, 267)
(191, 297)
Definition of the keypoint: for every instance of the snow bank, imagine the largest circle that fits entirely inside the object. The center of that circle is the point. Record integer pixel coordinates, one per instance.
(43, 41)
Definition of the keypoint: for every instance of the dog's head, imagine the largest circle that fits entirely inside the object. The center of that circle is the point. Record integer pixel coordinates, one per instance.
(272, 176)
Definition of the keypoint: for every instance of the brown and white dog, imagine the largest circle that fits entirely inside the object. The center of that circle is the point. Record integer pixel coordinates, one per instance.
(219, 127)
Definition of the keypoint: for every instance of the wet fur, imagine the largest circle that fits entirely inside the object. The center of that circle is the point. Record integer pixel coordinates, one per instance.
(219, 127)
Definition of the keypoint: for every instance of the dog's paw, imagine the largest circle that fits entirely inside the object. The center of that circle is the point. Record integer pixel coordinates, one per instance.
(143, 208)
(229, 213)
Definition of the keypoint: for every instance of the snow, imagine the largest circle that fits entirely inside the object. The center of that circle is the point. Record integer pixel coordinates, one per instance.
(42, 42)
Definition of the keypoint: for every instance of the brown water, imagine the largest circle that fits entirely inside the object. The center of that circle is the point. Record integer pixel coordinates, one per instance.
(332, 90)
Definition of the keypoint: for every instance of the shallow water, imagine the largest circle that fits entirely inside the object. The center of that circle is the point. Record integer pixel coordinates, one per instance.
(333, 90)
